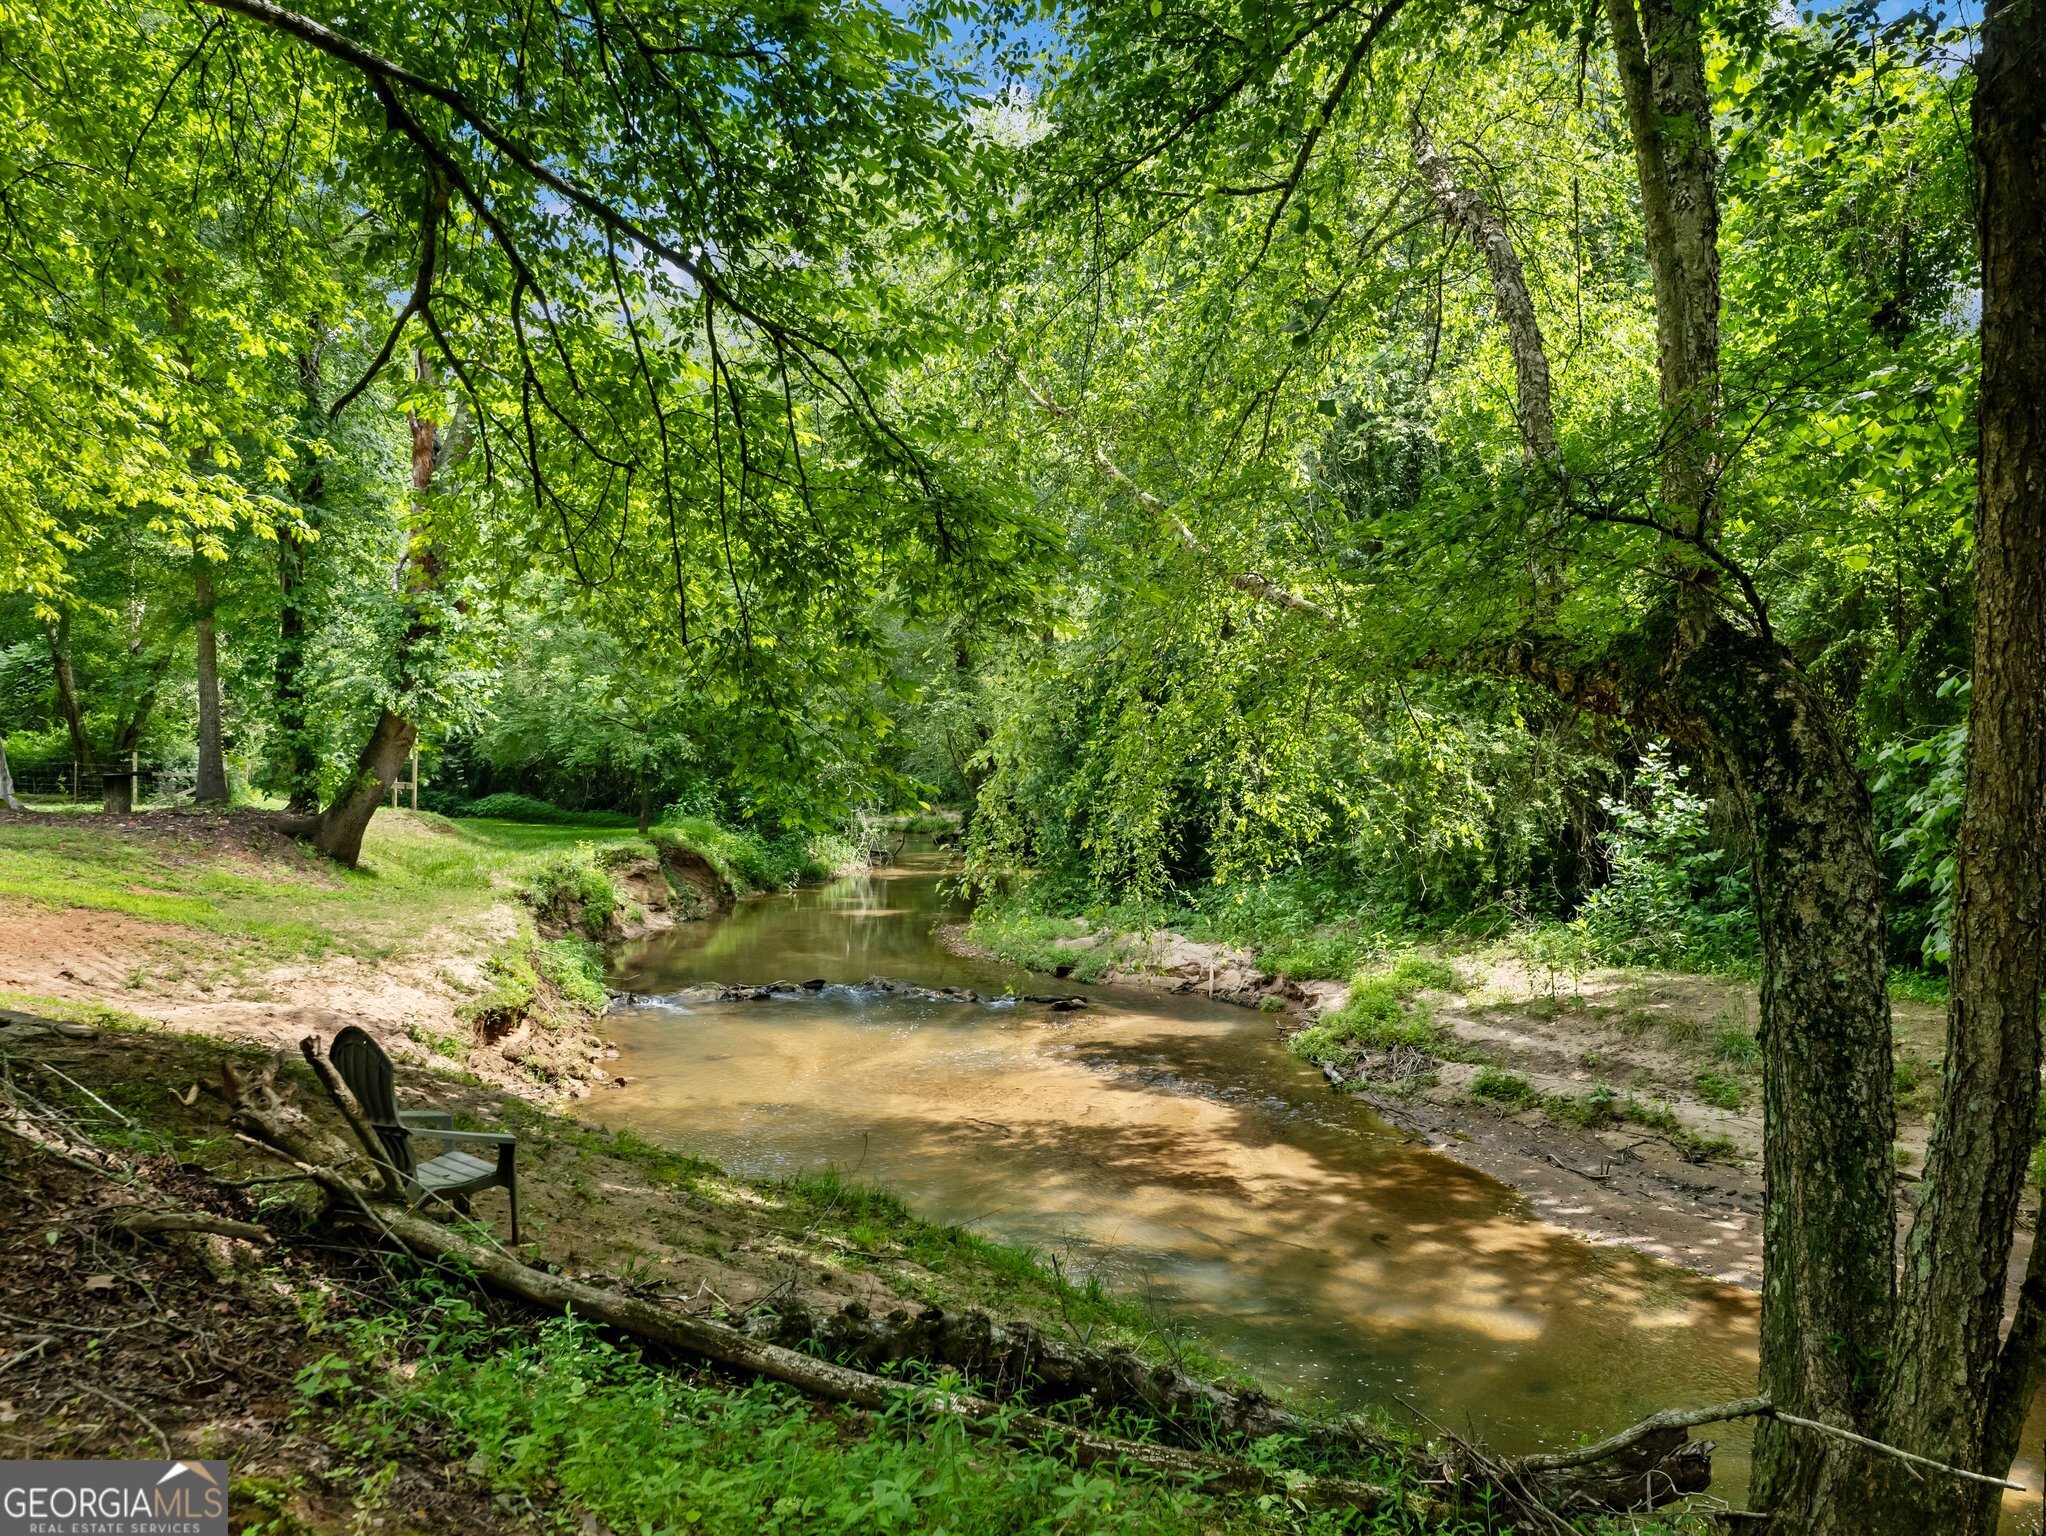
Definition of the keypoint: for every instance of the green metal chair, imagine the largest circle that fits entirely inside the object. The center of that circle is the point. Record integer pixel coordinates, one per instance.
(452, 1176)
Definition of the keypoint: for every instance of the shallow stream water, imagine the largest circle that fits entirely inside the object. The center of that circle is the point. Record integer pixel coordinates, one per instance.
(1171, 1145)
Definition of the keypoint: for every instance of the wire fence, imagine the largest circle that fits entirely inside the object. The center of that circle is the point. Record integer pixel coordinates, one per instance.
(75, 784)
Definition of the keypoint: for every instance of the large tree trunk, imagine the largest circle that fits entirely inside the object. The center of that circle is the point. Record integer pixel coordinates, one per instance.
(210, 786)
(7, 781)
(1828, 1286)
(1829, 1121)
(1948, 1397)
(67, 695)
(339, 830)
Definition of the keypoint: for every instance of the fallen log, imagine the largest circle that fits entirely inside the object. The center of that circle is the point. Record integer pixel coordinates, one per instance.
(260, 1111)
(1682, 1420)
(1019, 1360)
(837, 1383)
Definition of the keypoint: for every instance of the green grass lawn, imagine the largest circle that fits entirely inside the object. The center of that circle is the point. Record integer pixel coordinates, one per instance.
(418, 872)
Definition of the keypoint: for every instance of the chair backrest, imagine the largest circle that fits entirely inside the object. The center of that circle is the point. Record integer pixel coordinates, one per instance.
(367, 1071)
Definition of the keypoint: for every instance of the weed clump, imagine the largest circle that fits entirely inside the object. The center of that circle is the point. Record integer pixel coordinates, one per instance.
(548, 983)
(573, 890)
(1736, 1045)
(1720, 1092)
(1505, 1088)
(1384, 1011)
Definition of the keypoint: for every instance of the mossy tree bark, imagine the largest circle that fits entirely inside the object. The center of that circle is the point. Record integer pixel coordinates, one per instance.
(1829, 1119)
(1950, 1395)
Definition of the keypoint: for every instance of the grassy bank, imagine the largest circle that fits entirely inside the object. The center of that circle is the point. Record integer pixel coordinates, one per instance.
(1531, 1018)
(478, 940)
(228, 876)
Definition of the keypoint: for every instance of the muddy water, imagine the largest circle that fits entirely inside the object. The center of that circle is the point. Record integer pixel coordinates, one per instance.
(1169, 1144)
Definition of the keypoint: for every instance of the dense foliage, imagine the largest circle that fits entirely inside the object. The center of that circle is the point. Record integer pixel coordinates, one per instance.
(771, 572)
(1299, 501)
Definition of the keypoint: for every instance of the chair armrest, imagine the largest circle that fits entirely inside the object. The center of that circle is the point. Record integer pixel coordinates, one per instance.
(501, 1138)
(438, 1118)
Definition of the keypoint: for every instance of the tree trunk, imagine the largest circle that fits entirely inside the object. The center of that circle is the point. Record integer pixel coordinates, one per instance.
(1828, 1283)
(1467, 212)
(1829, 1120)
(1661, 64)
(296, 760)
(67, 695)
(299, 768)
(1948, 1396)
(210, 787)
(339, 830)
(7, 781)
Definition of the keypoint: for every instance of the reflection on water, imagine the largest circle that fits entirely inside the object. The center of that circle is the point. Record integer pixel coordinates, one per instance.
(1168, 1143)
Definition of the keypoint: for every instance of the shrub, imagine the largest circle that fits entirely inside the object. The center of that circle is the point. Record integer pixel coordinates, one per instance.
(1674, 896)
(512, 807)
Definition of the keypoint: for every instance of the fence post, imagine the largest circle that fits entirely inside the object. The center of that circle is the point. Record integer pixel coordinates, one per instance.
(415, 775)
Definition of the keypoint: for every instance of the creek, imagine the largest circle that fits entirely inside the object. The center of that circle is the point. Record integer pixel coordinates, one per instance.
(1171, 1145)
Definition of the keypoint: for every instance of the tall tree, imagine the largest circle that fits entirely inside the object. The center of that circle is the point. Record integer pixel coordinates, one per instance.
(58, 630)
(1955, 1392)
(339, 829)
(1666, 539)
(209, 786)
